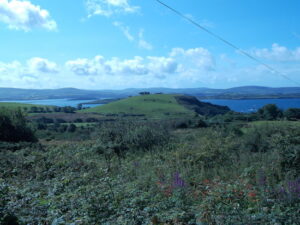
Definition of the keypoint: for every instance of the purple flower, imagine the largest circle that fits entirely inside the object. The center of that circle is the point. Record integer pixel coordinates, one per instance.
(178, 182)
(294, 187)
(291, 191)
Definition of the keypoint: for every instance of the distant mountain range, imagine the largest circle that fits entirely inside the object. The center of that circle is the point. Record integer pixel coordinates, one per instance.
(245, 92)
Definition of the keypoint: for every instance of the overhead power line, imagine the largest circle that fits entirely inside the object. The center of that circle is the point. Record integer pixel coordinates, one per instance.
(228, 43)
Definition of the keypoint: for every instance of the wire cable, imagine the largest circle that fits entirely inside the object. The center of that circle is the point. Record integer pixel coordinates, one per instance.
(228, 43)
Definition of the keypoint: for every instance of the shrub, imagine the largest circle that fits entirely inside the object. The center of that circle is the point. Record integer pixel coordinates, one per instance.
(72, 128)
(91, 120)
(201, 124)
(270, 112)
(292, 114)
(13, 127)
(61, 121)
(78, 120)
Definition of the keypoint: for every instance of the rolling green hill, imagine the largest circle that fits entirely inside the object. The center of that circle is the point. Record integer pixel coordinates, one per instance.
(14, 105)
(159, 105)
(147, 105)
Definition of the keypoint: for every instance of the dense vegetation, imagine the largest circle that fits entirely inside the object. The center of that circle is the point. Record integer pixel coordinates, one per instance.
(225, 169)
(13, 127)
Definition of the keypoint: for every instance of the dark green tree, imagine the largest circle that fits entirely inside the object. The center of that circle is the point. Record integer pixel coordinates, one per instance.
(13, 127)
(72, 128)
(270, 112)
(292, 114)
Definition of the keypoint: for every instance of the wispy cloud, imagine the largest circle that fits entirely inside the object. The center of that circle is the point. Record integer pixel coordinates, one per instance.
(109, 7)
(125, 30)
(139, 39)
(142, 43)
(23, 15)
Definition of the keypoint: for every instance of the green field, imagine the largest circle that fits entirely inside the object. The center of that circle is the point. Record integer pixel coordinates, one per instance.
(153, 106)
(15, 105)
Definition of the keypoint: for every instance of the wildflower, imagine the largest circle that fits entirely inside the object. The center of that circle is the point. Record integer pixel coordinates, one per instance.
(206, 181)
(178, 182)
(252, 194)
(294, 187)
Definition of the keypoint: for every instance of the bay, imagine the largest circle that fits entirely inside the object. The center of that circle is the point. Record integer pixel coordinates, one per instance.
(252, 105)
(57, 102)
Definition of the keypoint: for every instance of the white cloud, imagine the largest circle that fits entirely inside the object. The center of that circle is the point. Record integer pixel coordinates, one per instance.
(109, 7)
(98, 66)
(278, 53)
(178, 61)
(6, 68)
(198, 58)
(23, 15)
(142, 43)
(89, 67)
(33, 70)
(125, 30)
(42, 65)
(14, 73)
(195, 67)
(162, 65)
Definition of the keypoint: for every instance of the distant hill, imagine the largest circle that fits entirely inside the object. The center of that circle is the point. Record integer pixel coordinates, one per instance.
(246, 92)
(159, 105)
(34, 94)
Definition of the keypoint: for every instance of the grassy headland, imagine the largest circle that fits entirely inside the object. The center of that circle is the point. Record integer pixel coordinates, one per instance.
(159, 106)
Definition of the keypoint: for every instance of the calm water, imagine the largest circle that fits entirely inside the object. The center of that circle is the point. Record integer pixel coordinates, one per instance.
(57, 102)
(252, 105)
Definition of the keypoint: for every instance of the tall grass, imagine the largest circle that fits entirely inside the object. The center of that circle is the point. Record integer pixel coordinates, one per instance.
(133, 173)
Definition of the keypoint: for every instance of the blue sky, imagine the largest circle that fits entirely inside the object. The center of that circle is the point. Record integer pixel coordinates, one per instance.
(116, 44)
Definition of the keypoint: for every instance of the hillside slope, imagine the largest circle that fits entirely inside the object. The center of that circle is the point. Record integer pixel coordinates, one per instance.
(14, 105)
(159, 105)
(147, 105)
(202, 108)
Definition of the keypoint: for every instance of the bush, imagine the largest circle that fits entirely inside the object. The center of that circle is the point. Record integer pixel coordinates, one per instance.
(201, 124)
(72, 128)
(270, 112)
(91, 120)
(13, 127)
(292, 114)
(61, 121)
(45, 120)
